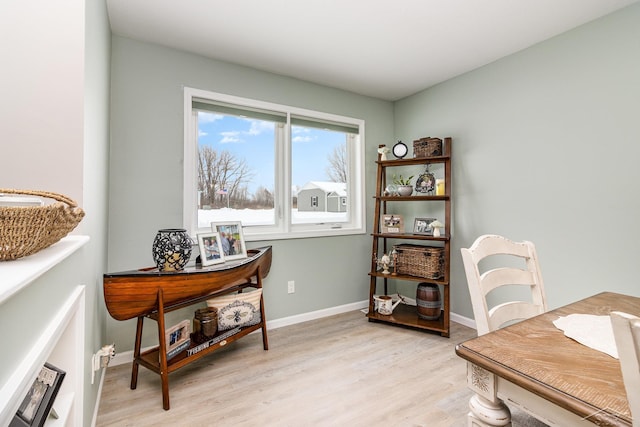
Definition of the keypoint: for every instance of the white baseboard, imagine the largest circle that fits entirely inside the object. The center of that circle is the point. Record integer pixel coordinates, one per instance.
(464, 321)
(127, 356)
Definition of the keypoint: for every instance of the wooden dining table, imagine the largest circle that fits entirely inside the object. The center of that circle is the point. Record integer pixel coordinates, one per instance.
(532, 365)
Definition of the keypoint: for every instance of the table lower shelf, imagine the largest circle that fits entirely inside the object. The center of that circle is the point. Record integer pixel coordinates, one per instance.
(150, 359)
(407, 315)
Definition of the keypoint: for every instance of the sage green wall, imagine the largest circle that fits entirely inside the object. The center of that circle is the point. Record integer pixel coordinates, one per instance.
(146, 173)
(95, 168)
(546, 148)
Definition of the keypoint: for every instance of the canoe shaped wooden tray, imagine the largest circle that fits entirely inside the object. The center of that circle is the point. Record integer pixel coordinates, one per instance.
(134, 293)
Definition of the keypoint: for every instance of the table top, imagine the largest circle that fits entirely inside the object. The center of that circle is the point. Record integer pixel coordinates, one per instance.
(538, 357)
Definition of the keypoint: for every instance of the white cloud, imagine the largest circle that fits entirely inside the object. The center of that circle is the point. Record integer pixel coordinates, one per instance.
(230, 137)
(202, 133)
(259, 126)
(208, 117)
(301, 139)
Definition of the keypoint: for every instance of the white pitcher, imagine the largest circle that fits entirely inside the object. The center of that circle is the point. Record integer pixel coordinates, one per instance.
(385, 304)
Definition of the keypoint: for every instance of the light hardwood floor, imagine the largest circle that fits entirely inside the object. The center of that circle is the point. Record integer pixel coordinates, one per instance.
(337, 371)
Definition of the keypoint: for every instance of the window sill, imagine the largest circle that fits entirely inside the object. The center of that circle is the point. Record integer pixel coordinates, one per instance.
(301, 234)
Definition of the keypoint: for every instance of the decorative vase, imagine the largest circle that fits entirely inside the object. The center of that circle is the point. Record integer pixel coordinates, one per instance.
(171, 249)
(436, 232)
(405, 190)
(428, 301)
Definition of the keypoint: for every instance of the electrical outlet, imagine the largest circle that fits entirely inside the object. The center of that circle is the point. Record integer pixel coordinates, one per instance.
(291, 286)
(101, 359)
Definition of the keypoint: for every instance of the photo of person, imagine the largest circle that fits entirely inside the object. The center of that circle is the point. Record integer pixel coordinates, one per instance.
(231, 239)
(211, 249)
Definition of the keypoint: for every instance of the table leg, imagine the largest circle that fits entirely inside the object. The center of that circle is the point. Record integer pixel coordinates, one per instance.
(486, 409)
(162, 348)
(136, 354)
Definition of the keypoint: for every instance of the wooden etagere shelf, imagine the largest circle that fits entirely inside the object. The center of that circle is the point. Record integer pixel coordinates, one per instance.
(406, 315)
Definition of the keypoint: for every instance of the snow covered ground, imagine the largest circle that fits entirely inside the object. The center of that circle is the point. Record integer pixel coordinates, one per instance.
(263, 216)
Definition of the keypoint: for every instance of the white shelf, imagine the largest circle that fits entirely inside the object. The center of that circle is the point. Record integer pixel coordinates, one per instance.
(62, 406)
(16, 274)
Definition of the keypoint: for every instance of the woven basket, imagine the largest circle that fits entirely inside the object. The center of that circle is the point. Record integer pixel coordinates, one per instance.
(427, 147)
(25, 230)
(420, 261)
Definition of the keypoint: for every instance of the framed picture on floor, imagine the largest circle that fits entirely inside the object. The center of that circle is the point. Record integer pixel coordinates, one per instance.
(231, 239)
(38, 402)
(210, 249)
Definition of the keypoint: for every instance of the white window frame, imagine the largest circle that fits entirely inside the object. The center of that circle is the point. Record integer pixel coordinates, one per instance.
(283, 229)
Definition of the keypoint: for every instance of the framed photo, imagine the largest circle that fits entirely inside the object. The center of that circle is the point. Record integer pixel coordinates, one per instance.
(177, 334)
(231, 239)
(421, 226)
(37, 404)
(392, 223)
(210, 249)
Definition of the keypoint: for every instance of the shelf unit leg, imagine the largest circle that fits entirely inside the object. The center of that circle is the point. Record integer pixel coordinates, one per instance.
(136, 353)
(445, 313)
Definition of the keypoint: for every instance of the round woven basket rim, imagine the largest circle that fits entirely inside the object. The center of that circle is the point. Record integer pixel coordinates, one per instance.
(29, 229)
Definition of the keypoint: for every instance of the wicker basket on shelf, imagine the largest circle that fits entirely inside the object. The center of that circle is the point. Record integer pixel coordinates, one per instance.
(26, 230)
(427, 147)
(420, 261)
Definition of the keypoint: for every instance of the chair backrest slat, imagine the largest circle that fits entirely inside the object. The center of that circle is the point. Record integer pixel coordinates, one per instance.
(482, 283)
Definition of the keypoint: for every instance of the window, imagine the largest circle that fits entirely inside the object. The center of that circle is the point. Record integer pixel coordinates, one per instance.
(284, 172)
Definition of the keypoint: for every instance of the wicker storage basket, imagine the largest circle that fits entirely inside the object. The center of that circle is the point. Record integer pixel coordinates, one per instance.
(420, 261)
(427, 147)
(25, 230)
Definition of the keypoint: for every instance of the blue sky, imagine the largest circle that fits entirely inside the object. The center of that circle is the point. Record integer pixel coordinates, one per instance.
(253, 140)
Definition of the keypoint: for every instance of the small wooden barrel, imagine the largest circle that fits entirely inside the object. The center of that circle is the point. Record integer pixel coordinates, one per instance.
(428, 301)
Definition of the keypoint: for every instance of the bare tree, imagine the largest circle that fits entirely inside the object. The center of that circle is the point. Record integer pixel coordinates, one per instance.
(337, 169)
(263, 198)
(221, 171)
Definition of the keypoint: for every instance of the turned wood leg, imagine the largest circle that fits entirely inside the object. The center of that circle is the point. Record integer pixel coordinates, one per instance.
(485, 413)
(136, 354)
(486, 410)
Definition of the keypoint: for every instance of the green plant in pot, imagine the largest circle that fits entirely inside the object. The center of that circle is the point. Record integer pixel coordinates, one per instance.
(404, 185)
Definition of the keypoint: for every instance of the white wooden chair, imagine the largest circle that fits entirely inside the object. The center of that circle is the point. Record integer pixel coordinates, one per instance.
(626, 329)
(515, 276)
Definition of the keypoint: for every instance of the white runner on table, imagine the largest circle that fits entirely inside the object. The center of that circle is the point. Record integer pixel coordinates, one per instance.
(590, 330)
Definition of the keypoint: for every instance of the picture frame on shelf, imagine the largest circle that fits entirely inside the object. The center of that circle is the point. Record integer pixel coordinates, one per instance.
(421, 226)
(210, 249)
(426, 183)
(38, 403)
(392, 223)
(231, 239)
(177, 336)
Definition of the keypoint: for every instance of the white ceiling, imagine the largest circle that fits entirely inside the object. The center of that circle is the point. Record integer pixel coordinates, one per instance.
(381, 48)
